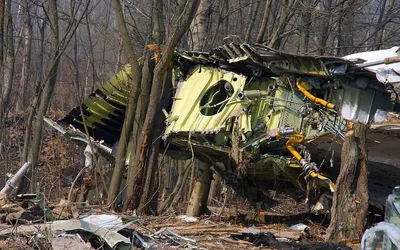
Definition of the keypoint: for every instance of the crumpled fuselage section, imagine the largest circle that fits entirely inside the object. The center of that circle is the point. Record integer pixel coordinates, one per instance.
(256, 114)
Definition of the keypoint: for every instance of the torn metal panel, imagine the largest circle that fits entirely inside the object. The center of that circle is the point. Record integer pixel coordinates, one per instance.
(113, 239)
(386, 72)
(213, 101)
(69, 241)
(104, 110)
(359, 105)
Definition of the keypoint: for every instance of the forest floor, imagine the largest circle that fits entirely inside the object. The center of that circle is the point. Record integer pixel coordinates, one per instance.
(25, 225)
(229, 230)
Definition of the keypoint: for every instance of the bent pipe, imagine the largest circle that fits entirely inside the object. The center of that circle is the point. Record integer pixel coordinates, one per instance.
(299, 138)
(314, 98)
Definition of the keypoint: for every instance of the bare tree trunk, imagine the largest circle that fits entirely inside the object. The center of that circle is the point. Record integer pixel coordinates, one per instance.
(131, 108)
(199, 25)
(346, 26)
(91, 56)
(178, 194)
(306, 20)
(215, 189)
(26, 61)
(141, 109)
(183, 173)
(58, 47)
(323, 34)
(32, 107)
(8, 69)
(2, 16)
(121, 43)
(48, 87)
(183, 16)
(198, 199)
(286, 12)
(350, 200)
(264, 24)
(253, 10)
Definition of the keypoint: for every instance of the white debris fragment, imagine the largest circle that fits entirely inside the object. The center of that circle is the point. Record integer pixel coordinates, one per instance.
(188, 218)
(300, 227)
(109, 221)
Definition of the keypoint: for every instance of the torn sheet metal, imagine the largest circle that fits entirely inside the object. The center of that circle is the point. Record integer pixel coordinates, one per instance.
(385, 73)
(360, 105)
(104, 109)
(15, 180)
(113, 239)
(69, 241)
(384, 120)
(109, 221)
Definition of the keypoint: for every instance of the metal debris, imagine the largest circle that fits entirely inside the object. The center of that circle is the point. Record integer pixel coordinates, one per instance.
(112, 238)
(172, 237)
(13, 182)
(269, 240)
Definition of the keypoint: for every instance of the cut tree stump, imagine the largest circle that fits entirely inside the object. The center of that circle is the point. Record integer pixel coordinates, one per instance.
(198, 199)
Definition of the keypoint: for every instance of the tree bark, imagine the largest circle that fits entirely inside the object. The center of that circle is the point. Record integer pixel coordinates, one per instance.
(32, 107)
(2, 6)
(322, 32)
(286, 12)
(198, 199)
(215, 189)
(253, 10)
(48, 87)
(131, 107)
(183, 174)
(183, 16)
(26, 59)
(264, 23)
(151, 183)
(8, 69)
(350, 200)
(199, 26)
(346, 29)
(305, 22)
(58, 47)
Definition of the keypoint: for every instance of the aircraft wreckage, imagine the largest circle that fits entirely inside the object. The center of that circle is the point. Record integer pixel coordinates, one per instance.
(260, 114)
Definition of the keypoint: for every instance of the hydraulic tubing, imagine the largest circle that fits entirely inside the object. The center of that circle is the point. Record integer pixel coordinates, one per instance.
(331, 185)
(314, 98)
(296, 138)
(299, 138)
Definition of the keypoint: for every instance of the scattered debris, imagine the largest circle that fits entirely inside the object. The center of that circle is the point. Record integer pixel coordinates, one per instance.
(110, 237)
(269, 240)
(13, 183)
(173, 238)
(109, 221)
(300, 227)
(188, 218)
(69, 241)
